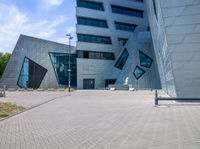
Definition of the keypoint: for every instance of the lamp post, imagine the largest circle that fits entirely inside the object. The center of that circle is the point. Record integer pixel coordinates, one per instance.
(69, 61)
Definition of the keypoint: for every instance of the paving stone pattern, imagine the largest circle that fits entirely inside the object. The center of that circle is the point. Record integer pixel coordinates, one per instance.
(104, 120)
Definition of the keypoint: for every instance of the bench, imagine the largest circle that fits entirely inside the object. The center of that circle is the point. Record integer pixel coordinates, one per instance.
(172, 99)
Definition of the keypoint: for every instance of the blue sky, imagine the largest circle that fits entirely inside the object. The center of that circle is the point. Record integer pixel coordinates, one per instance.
(47, 19)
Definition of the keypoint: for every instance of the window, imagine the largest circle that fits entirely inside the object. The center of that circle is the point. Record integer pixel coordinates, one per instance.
(138, 72)
(141, 1)
(94, 39)
(145, 61)
(109, 82)
(155, 10)
(125, 26)
(31, 74)
(92, 22)
(96, 55)
(122, 59)
(90, 5)
(61, 65)
(127, 11)
(122, 41)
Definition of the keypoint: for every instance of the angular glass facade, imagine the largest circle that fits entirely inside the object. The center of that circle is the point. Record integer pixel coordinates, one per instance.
(138, 72)
(31, 74)
(60, 62)
(122, 59)
(145, 61)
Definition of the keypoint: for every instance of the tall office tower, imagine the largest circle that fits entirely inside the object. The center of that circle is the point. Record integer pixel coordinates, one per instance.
(175, 28)
(114, 45)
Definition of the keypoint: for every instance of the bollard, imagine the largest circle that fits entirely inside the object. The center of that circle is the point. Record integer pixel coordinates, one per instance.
(156, 96)
(4, 91)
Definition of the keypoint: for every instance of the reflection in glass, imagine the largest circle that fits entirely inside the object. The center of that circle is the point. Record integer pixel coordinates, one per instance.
(31, 74)
(60, 64)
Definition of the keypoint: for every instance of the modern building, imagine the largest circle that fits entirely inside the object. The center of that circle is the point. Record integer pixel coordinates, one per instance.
(37, 63)
(114, 45)
(143, 44)
(175, 29)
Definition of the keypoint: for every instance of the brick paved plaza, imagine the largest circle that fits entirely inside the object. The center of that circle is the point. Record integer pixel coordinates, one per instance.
(100, 120)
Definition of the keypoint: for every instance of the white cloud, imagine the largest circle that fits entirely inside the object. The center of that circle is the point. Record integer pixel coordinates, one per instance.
(16, 23)
(48, 4)
(55, 2)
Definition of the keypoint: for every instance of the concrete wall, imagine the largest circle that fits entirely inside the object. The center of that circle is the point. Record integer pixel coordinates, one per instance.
(140, 41)
(176, 37)
(38, 51)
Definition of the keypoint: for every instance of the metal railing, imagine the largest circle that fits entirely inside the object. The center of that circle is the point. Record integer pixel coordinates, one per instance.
(173, 98)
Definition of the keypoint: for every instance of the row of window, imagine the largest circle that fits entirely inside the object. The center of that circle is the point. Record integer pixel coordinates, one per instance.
(125, 26)
(94, 39)
(103, 24)
(96, 55)
(127, 11)
(90, 5)
(92, 22)
(115, 8)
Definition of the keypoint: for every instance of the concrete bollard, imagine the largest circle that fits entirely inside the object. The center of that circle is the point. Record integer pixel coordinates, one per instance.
(4, 91)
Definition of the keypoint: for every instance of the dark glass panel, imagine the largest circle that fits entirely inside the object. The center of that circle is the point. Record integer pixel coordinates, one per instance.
(96, 55)
(31, 74)
(145, 61)
(127, 11)
(125, 26)
(61, 65)
(92, 22)
(155, 9)
(94, 39)
(109, 82)
(122, 59)
(90, 5)
(138, 72)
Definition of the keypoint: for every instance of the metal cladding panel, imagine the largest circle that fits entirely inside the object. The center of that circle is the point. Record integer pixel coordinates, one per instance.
(38, 51)
(178, 24)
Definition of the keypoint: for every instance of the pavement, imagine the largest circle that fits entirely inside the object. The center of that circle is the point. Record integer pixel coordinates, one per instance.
(102, 120)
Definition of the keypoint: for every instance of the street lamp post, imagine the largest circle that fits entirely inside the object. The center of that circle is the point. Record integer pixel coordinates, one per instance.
(69, 61)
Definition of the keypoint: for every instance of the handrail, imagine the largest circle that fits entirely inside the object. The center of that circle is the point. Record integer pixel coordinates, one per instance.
(173, 98)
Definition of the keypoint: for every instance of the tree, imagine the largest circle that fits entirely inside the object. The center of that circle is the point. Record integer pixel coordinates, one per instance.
(4, 58)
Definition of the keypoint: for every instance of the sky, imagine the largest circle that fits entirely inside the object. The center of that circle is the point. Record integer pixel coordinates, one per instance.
(46, 19)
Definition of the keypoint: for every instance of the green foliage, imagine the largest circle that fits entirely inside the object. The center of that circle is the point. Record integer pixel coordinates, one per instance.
(4, 58)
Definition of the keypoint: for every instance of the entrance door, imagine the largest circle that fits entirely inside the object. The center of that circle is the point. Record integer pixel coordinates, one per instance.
(88, 83)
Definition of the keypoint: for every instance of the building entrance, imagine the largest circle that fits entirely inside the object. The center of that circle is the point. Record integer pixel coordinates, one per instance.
(88, 83)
